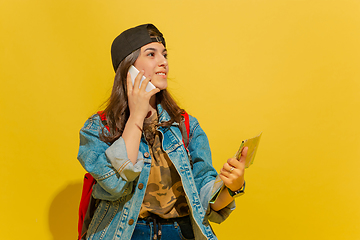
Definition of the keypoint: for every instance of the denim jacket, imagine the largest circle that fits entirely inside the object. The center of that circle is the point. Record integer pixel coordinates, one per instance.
(121, 185)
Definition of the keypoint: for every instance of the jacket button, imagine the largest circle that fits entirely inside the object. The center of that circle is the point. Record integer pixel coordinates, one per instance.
(131, 221)
(146, 154)
(141, 186)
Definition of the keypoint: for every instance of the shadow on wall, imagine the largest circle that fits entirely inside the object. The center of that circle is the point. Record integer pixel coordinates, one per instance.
(63, 213)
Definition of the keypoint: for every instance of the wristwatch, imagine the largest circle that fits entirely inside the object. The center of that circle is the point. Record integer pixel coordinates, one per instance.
(237, 193)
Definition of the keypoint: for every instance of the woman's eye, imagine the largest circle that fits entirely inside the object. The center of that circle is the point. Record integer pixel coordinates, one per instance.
(151, 54)
(165, 55)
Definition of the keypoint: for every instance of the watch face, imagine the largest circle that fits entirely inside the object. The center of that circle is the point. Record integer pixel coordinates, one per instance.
(237, 193)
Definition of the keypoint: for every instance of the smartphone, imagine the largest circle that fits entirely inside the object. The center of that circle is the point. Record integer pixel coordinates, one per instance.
(133, 73)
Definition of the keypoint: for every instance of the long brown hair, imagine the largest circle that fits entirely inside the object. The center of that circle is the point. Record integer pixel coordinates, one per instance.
(117, 109)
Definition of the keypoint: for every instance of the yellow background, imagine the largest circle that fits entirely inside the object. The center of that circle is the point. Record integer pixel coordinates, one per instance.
(288, 68)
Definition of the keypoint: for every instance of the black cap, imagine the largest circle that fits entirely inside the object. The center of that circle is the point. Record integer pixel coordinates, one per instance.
(131, 40)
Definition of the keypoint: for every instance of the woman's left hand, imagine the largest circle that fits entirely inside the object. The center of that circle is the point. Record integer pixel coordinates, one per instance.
(232, 173)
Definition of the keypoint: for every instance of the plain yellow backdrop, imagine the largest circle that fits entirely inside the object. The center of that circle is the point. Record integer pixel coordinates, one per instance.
(288, 68)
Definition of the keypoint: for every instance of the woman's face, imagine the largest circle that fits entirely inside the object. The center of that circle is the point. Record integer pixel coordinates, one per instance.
(153, 60)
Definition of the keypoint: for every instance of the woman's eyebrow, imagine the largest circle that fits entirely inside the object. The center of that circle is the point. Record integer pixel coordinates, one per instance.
(154, 49)
(149, 49)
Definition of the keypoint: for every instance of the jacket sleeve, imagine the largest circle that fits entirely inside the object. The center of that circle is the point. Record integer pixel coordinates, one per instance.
(204, 172)
(109, 165)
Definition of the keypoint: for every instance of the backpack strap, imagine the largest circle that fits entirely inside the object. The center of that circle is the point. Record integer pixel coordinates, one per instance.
(186, 138)
(89, 181)
(86, 200)
(187, 128)
(102, 115)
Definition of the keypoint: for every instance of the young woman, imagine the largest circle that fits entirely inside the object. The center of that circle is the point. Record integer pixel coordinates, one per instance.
(149, 186)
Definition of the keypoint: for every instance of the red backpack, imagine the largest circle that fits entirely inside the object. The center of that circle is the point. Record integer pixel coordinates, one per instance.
(87, 204)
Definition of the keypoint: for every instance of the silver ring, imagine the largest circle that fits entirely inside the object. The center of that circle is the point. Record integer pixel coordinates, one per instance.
(231, 169)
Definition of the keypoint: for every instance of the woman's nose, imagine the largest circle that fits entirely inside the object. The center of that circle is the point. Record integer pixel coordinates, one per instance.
(163, 62)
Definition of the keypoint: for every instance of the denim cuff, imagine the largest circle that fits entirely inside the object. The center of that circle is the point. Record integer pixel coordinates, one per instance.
(222, 214)
(206, 197)
(118, 158)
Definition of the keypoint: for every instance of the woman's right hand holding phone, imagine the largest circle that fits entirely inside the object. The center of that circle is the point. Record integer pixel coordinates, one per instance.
(138, 98)
(139, 105)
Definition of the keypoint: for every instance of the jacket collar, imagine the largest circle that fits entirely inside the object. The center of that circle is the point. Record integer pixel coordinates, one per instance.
(163, 115)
